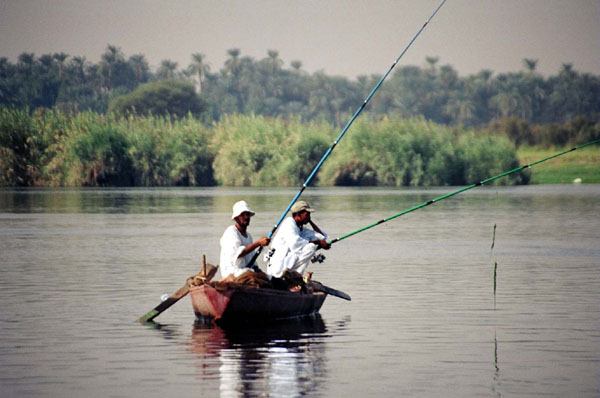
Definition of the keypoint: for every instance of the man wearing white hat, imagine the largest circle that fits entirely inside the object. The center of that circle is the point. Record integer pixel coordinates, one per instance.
(236, 243)
(294, 244)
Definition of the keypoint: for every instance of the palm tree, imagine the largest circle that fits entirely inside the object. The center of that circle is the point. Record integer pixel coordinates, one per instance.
(140, 67)
(273, 61)
(76, 68)
(564, 98)
(567, 71)
(448, 77)
(46, 62)
(5, 67)
(233, 63)
(111, 57)
(485, 75)
(200, 69)
(432, 61)
(167, 69)
(530, 64)
(60, 58)
(296, 65)
(26, 62)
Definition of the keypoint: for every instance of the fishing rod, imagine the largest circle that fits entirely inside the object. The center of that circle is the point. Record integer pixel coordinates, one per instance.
(343, 132)
(478, 184)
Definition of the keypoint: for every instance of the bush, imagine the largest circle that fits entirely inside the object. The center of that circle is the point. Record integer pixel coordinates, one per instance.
(575, 132)
(256, 151)
(98, 150)
(354, 173)
(93, 152)
(484, 157)
(166, 97)
(169, 153)
(413, 152)
(21, 149)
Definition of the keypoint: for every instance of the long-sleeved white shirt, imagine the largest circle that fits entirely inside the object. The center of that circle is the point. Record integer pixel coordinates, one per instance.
(232, 245)
(293, 249)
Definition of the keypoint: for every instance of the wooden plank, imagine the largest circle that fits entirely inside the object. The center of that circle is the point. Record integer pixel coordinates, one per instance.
(329, 290)
(207, 273)
(175, 297)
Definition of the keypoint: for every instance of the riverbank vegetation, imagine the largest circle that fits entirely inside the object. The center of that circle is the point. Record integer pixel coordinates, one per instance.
(65, 121)
(581, 165)
(53, 148)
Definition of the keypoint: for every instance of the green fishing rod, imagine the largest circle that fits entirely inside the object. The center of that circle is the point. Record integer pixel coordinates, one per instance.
(478, 184)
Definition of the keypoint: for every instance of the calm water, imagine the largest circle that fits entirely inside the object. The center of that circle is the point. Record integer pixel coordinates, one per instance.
(77, 267)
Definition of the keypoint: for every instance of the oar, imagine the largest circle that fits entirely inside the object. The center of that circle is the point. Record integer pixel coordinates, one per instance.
(318, 286)
(341, 135)
(207, 273)
(329, 290)
(481, 183)
(175, 297)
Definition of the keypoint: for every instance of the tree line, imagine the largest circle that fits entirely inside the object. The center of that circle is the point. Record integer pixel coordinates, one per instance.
(65, 121)
(244, 85)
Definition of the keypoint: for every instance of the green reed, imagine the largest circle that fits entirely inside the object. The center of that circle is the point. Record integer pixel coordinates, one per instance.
(53, 148)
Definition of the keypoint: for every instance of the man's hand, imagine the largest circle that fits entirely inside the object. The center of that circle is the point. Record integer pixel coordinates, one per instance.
(264, 241)
(322, 243)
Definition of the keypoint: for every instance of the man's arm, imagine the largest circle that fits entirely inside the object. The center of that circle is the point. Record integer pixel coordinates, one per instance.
(322, 243)
(264, 241)
(316, 228)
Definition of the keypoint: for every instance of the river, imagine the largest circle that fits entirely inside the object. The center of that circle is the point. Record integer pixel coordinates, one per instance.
(436, 311)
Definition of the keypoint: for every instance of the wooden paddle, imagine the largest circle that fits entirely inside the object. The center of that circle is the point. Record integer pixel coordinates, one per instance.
(326, 289)
(207, 273)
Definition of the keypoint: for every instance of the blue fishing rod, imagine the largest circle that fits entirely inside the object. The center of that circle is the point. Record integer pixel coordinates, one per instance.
(343, 132)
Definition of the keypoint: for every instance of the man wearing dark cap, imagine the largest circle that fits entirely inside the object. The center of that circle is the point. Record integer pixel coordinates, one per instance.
(295, 244)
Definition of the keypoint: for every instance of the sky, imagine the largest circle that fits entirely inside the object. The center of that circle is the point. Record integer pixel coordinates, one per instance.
(339, 37)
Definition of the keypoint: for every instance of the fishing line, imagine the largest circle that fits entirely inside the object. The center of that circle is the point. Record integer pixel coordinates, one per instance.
(481, 183)
(343, 132)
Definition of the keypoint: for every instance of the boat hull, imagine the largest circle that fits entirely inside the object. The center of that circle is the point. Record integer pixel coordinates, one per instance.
(250, 304)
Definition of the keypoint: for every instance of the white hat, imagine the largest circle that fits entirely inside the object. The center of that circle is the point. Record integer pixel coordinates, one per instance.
(240, 207)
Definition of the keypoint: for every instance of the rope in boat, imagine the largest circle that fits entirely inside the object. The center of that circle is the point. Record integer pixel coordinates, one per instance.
(343, 132)
(478, 184)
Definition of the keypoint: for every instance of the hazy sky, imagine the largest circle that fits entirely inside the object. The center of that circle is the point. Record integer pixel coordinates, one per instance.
(340, 37)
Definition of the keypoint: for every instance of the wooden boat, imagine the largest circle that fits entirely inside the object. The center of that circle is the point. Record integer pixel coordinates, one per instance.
(244, 303)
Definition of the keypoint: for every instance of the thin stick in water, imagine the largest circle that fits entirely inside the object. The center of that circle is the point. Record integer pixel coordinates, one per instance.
(495, 272)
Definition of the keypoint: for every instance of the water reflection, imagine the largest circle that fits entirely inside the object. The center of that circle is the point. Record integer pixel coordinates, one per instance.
(280, 359)
(96, 200)
(496, 384)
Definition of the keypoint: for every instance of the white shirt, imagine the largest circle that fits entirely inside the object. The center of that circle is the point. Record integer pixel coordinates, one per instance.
(233, 244)
(293, 249)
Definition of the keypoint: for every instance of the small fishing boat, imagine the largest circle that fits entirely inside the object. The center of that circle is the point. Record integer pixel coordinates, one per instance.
(246, 299)
(244, 303)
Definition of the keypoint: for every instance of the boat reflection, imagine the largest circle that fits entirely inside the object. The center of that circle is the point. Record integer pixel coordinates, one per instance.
(286, 358)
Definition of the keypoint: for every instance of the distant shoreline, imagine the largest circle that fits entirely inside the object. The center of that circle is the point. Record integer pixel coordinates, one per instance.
(583, 164)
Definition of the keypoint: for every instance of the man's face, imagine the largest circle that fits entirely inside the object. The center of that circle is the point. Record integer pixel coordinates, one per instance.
(243, 219)
(303, 217)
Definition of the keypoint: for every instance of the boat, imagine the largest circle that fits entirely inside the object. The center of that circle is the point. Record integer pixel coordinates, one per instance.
(225, 303)
(248, 298)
